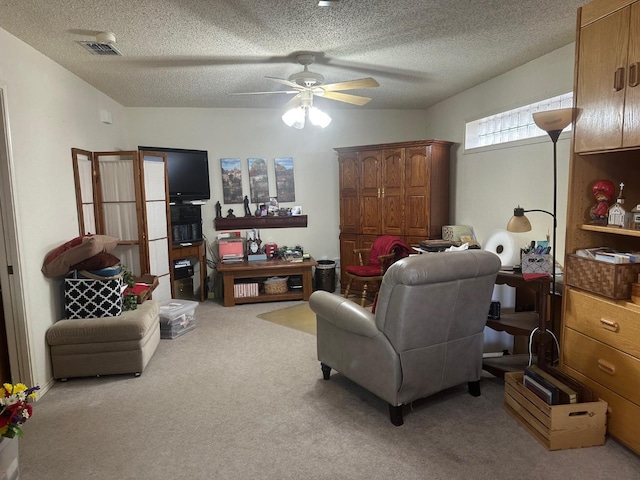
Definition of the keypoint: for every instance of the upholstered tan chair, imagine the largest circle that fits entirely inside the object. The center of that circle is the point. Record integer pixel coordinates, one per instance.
(426, 334)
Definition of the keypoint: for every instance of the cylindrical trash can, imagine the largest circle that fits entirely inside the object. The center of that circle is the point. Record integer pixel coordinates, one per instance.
(326, 275)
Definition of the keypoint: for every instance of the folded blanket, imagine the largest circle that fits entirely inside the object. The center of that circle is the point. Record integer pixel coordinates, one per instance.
(385, 245)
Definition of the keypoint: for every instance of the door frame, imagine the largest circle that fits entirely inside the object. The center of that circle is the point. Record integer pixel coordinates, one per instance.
(10, 266)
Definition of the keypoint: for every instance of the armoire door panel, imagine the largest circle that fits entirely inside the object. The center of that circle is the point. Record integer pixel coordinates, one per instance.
(369, 171)
(349, 218)
(602, 51)
(417, 216)
(631, 133)
(349, 200)
(393, 215)
(370, 220)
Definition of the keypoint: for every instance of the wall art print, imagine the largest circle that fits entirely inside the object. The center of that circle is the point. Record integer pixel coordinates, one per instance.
(258, 180)
(231, 180)
(285, 185)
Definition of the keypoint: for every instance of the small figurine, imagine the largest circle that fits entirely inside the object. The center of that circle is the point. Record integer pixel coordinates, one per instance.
(618, 216)
(602, 191)
(635, 218)
(247, 212)
(230, 213)
(218, 210)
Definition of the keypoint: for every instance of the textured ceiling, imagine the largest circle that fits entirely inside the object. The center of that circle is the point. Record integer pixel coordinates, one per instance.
(194, 53)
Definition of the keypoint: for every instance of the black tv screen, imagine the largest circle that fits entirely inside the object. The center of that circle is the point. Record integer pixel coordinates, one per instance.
(188, 173)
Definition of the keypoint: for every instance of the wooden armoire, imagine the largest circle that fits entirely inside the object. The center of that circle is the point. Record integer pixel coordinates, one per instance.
(397, 189)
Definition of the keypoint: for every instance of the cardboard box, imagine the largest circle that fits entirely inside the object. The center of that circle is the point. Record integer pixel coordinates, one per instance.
(556, 427)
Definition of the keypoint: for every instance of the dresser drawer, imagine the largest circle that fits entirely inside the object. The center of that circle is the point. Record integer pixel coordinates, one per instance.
(623, 419)
(611, 322)
(609, 367)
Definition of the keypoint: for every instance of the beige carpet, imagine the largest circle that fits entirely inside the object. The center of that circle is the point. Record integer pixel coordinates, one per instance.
(241, 398)
(299, 317)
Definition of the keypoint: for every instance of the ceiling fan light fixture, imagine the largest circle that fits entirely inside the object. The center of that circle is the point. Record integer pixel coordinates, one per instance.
(294, 117)
(318, 117)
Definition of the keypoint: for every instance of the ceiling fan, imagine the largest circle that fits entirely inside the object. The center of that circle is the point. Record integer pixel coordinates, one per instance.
(306, 84)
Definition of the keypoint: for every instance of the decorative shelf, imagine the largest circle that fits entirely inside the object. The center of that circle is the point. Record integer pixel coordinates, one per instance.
(292, 221)
(613, 230)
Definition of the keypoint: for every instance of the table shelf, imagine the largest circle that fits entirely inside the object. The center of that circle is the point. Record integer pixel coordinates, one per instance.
(264, 269)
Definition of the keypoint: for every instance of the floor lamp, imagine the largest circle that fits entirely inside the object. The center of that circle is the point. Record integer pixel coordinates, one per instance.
(553, 122)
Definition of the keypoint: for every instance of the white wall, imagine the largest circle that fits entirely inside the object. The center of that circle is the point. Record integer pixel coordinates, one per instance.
(245, 133)
(50, 111)
(488, 184)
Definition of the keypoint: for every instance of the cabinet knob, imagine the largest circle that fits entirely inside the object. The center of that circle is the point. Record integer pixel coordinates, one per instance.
(609, 325)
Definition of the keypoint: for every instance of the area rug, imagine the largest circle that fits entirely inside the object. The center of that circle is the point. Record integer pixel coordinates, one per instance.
(299, 317)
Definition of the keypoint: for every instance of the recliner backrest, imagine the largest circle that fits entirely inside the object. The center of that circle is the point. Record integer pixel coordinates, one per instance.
(432, 298)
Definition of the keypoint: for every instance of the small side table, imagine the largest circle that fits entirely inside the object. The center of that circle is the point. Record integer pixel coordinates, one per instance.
(521, 323)
(179, 252)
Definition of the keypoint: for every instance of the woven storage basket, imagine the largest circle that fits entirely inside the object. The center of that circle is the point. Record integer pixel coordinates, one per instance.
(274, 285)
(611, 280)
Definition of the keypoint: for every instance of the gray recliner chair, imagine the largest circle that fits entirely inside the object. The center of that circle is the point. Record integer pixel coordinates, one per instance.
(426, 334)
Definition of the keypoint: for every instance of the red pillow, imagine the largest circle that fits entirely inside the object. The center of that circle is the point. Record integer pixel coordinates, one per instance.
(97, 262)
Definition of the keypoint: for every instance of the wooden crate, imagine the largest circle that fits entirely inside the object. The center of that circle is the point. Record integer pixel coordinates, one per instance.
(556, 427)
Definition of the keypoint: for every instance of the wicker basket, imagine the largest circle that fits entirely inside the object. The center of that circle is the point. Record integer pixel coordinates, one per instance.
(611, 280)
(275, 285)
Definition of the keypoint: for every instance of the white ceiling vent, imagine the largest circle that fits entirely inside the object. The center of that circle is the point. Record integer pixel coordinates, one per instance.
(104, 44)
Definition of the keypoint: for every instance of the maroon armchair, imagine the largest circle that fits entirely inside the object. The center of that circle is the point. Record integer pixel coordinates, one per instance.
(373, 263)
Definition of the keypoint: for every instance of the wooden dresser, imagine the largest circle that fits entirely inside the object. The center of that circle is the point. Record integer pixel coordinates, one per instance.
(397, 189)
(601, 336)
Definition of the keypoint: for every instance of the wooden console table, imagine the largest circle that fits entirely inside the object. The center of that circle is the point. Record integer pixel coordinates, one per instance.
(263, 269)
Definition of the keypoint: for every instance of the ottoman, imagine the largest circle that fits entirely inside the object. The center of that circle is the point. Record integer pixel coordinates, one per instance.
(102, 346)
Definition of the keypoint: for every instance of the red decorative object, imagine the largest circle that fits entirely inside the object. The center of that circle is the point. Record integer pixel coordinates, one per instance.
(603, 191)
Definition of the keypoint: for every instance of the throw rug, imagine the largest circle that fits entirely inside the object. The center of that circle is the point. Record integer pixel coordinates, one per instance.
(299, 317)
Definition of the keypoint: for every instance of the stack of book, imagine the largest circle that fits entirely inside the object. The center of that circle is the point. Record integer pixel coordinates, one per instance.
(550, 388)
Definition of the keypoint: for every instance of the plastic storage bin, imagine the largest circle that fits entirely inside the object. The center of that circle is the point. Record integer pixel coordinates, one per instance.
(177, 317)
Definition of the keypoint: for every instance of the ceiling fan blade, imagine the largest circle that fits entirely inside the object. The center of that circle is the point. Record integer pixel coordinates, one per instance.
(347, 98)
(351, 85)
(287, 83)
(288, 92)
(294, 102)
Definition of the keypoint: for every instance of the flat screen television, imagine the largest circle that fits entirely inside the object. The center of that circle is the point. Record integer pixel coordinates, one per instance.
(188, 174)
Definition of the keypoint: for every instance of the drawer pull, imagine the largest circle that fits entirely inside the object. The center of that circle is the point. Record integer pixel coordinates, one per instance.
(608, 324)
(606, 367)
(618, 79)
(633, 75)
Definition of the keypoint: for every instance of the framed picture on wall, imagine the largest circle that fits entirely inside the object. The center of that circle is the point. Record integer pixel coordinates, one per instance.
(231, 170)
(285, 185)
(258, 180)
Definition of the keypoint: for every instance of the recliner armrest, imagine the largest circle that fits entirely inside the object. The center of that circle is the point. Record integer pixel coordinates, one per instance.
(344, 313)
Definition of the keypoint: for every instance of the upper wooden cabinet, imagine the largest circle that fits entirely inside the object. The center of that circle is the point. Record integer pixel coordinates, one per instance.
(607, 86)
(395, 189)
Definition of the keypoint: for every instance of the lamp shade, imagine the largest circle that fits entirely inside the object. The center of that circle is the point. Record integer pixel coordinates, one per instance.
(294, 117)
(519, 222)
(554, 120)
(318, 117)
